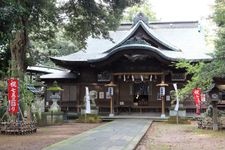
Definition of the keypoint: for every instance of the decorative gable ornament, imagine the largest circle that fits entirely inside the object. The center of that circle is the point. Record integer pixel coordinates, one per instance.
(140, 16)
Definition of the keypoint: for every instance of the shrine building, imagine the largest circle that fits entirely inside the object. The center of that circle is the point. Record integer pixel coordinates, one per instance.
(138, 59)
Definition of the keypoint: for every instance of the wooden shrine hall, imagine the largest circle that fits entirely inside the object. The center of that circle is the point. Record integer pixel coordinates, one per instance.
(138, 60)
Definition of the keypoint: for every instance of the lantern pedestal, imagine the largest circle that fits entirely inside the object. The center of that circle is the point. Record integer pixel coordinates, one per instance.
(55, 107)
(163, 116)
(215, 115)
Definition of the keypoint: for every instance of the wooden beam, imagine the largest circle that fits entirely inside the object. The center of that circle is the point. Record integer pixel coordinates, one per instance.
(138, 73)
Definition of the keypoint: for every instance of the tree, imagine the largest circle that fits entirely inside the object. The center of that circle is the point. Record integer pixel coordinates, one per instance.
(198, 78)
(41, 50)
(144, 8)
(4, 64)
(216, 68)
(204, 73)
(25, 20)
(19, 20)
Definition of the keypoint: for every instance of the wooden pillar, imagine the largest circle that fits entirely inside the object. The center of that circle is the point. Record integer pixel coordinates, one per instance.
(111, 85)
(163, 107)
(111, 106)
(78, 90)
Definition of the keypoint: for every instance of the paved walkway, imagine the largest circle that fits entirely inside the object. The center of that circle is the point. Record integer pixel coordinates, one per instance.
(120, 134)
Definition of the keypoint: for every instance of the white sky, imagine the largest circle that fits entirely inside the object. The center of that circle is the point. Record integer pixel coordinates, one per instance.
(182, 10)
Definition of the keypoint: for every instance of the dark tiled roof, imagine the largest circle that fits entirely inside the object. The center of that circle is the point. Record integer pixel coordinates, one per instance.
(184, 40)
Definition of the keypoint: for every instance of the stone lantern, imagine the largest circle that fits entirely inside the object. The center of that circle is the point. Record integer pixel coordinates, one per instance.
(55, 97)
(214, 95)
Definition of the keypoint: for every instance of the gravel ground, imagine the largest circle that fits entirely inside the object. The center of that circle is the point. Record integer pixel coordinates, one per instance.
(45, 136)
(160, 136)
(163, 136)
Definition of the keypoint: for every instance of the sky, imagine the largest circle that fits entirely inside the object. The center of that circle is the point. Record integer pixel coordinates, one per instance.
(182, 10)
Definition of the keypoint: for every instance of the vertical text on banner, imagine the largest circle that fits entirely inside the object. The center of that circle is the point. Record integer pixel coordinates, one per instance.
(13, 95)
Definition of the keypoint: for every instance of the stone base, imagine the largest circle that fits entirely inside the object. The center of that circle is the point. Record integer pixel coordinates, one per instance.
(111, 115)
(50, 118)
(54, 119)
(163, 116)
(215, 127)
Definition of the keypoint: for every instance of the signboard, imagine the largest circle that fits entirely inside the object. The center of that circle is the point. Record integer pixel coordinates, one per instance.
(13, 95)
(197, 98)
(104, 76)
(101, 95)
(110, 90)
(162, 91)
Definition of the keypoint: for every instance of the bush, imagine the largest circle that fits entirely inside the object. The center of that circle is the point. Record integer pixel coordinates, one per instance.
(3, 109)
(89, 118)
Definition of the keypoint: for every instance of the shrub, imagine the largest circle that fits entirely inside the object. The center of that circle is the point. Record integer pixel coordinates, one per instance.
(89, 118)
(181, 120)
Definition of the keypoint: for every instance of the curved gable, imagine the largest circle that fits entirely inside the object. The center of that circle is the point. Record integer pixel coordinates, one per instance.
(141, 33)
(138, 49)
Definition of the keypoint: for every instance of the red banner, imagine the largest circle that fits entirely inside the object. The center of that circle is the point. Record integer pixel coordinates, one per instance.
(13, 95)
(197, 98)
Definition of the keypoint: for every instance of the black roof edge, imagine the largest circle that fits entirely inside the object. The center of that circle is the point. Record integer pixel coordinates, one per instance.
(132, 46)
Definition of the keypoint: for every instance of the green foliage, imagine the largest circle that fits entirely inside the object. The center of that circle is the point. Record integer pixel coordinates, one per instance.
(93, 18)
(203, 73)
(4, 61)
(3, 109)
(24, 22)
(219, 15)
(144, 8)
(41, 50)
(217, 67)
(18, 20)
(40, 17)
(198, 78)
(27, 97)
(89, 118)
(2, 85)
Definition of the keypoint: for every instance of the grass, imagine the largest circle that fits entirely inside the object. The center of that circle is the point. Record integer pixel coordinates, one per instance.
(160, 147)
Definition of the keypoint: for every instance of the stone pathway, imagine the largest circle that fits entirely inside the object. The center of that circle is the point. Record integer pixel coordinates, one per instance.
(120, 134)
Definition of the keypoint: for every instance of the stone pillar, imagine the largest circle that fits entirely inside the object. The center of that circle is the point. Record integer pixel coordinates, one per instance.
(215, 116)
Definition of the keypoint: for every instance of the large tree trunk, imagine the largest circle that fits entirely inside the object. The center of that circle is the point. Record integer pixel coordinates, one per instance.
(18, 49)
